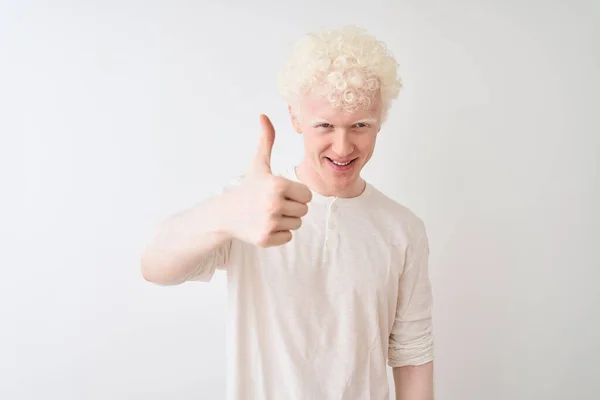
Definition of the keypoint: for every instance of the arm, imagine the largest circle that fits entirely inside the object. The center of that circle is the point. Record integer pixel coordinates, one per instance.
(414, 382)
(411, 339)
(259, 209)
(189, 244)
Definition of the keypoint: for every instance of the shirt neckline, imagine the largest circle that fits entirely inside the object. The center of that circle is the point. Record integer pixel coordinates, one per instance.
(291, 174)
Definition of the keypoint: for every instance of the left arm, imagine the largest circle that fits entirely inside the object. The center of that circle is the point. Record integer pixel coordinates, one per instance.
(414, 382)
(411, 340)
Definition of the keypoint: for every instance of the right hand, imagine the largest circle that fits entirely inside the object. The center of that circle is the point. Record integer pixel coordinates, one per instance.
(267, 208)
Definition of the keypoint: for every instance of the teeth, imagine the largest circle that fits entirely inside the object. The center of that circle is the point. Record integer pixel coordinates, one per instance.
(340, 164)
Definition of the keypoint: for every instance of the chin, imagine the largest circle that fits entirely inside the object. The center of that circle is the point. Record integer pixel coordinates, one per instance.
(342, 180)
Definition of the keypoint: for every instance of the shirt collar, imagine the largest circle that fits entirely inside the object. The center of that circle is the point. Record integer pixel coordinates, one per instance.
(290, 173)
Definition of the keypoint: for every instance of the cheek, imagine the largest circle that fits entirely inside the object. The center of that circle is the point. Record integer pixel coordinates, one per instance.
(315, 143)
(366, 144)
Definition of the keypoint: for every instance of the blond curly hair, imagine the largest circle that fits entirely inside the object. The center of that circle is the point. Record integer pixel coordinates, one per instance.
(348, 65)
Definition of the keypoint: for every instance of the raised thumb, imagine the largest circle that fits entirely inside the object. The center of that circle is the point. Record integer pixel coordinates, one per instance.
(262, 160)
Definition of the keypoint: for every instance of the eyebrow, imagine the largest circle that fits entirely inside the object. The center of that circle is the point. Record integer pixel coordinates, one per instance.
(371, 121)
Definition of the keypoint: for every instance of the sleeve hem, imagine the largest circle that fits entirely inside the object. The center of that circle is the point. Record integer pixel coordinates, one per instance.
(414, 361)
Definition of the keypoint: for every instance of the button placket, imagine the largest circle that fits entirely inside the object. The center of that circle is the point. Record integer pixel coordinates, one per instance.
(331, 225)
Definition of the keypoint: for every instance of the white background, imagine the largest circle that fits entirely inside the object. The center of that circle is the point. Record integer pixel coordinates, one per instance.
(114, 114)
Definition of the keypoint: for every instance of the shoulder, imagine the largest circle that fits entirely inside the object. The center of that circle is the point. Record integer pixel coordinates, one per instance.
(404, 223)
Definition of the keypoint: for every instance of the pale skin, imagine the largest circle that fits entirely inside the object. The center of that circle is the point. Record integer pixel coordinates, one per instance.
(334, 134)
(414, 382)
(265, 210)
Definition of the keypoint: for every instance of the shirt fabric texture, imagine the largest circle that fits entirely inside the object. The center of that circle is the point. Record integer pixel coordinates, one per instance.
(319, 318)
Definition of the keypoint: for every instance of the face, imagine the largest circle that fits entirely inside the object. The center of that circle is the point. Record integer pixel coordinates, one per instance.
(337, 144)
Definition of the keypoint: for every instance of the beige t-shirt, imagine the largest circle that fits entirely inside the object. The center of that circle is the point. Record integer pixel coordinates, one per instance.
(319, 317)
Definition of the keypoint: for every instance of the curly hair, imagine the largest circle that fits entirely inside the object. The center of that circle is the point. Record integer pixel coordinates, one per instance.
(348, 65)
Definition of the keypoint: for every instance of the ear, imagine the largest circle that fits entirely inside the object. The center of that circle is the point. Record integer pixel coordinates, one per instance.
(294, 117)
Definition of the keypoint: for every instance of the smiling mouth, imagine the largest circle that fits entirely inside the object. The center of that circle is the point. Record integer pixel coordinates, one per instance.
(340, 164)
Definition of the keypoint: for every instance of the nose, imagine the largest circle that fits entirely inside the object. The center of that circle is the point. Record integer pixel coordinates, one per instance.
(342, 145)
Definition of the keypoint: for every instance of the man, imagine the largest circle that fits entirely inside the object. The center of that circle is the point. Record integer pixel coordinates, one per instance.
(327, 276)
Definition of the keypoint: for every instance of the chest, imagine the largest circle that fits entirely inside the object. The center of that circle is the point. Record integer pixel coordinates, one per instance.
(336, 254)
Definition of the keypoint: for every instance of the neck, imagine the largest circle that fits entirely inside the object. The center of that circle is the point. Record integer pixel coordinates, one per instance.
(311, 178)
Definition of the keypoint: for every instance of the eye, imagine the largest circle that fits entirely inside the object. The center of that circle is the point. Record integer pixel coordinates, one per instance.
(324, 125)
(361, 125)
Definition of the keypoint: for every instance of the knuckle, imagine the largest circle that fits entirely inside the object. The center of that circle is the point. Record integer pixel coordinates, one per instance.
(288, 237)
(309, 195)
(278, 184)
(272, 226)
(304, 210)
(263, 240)
(296, 224)
(273, 206)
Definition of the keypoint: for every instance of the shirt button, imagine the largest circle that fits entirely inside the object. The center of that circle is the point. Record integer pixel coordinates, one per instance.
(334, 208)
(331, 225)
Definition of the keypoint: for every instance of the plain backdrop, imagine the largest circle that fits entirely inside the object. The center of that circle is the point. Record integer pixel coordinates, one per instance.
(115, 114)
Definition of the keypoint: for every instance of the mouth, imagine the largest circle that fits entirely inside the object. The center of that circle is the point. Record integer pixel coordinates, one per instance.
(340, 165)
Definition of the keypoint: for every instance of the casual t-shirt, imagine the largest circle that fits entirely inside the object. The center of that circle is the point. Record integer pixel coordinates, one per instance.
(320, 317)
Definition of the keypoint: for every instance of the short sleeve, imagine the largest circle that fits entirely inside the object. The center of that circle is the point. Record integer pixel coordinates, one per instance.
(411, 339)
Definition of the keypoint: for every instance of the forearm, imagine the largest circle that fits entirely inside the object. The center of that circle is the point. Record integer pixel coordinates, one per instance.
(183, 240)
(414, 382)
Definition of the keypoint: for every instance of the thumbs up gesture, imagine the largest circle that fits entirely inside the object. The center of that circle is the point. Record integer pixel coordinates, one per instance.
(267, 208)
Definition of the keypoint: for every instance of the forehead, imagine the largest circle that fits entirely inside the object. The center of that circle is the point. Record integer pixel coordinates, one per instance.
(316, 106)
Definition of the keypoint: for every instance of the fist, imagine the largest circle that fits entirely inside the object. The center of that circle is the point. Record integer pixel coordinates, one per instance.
(267, 208)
